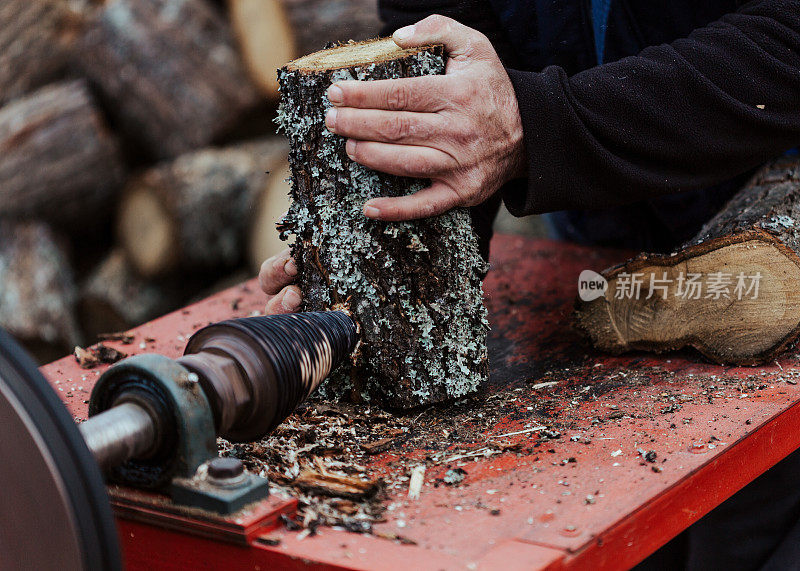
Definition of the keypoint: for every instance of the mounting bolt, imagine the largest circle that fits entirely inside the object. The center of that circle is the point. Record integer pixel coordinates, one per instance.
(226, 471)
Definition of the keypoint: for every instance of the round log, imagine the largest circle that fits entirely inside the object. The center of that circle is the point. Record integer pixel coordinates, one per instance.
(414, 287)
(37, 298)
(732, 292)
(168, 70)
(192, 213)
(58, 161)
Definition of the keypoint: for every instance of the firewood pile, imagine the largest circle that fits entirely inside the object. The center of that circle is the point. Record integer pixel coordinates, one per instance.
(139, 163)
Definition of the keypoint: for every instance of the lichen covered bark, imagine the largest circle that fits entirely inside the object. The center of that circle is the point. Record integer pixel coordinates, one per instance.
(414, 287)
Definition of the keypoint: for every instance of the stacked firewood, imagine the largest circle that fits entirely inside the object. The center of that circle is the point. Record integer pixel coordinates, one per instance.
(139, 163)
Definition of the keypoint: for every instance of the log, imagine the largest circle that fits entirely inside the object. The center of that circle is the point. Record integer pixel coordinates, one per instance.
(168, 71)
(37, 299)
(58, 161)
(263, 237)
(732, 292)
(114, 298)
(414, 287)
(192, 213)
(35, 41)
(272, 32)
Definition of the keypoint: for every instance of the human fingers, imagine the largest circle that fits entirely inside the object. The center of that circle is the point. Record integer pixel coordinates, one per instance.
(431, 201)
(383, 126)
(460, 41)
(402, 160)
(428, 93)
(286, 301)
(277, 272)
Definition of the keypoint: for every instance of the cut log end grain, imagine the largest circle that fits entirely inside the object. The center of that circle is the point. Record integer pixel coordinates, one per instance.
(264, 239)
(414, 287)
(265, 40)
(147, 230)
(354, 54)
(744, 304)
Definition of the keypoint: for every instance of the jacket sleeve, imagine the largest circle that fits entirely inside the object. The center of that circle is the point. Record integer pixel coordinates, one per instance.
(678, 116)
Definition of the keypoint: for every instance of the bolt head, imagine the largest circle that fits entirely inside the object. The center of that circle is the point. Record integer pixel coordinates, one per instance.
(225, 468)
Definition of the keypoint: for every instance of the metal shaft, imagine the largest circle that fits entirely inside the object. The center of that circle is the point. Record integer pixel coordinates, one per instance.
(120, 433)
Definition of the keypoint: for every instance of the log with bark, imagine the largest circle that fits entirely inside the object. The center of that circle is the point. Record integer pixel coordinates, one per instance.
(414, 287)
(271, 32)
(192, 213)
(37, 292)
(57, 159)
(732, 292)
(114, 298)
(168, 70)
(35, 41)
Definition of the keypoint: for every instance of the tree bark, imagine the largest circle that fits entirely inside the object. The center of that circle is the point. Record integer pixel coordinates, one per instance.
(743, 306)
(272, 32)
(37, 299)
(114, 298)
(192, 213)
(57, 159)
(414, 287)
(35, 41)
(168, 71)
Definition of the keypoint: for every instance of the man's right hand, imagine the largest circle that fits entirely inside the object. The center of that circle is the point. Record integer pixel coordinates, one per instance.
(276, 276)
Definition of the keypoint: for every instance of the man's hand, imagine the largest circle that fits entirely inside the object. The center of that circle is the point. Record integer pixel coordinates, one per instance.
(275, 277)
(461, 130)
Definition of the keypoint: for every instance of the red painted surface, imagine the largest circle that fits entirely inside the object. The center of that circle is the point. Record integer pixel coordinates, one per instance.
(713, 428)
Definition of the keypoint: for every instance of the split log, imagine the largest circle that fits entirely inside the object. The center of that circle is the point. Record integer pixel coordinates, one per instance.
(272, 32)
(57, 159)
(263, 237)
(37, 297)
(168, 70)
(732, 292)
(35, 41)
(192, 213)
(114, 298)
(414, 287)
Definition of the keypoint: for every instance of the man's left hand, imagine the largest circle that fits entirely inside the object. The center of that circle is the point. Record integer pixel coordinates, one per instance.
(461, 130)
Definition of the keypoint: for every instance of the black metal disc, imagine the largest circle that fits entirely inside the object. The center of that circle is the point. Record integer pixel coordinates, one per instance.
(54, 509)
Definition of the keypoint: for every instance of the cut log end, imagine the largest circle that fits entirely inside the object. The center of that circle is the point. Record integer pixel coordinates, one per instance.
(146, 231)
(265, 40)
(353, 54)
(264, 238)
(741, 309)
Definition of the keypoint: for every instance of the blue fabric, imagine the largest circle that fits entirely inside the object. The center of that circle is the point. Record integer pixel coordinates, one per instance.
(600, 10)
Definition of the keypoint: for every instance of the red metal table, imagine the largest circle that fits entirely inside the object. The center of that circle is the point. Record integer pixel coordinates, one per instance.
(586, 499)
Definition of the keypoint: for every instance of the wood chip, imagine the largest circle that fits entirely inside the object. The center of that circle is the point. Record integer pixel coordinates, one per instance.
(122, 337)
(85, 359)
(100, 354)
(416, 481)
(335, 485)
(378, 446)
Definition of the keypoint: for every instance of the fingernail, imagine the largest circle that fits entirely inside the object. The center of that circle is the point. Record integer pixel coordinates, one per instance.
(290, 300)
(290, 267)
(335, 94)
(404, 33)
(371, 211)
(330, 119)
(350, 148)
